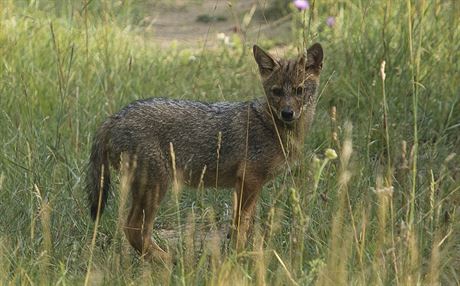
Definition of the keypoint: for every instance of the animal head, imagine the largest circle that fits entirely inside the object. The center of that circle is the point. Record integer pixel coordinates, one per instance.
(290, 85)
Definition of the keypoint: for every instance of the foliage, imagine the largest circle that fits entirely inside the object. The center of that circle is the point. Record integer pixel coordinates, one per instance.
(385, 212)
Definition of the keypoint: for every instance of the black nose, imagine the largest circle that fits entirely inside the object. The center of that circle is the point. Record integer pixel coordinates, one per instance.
(287, 114)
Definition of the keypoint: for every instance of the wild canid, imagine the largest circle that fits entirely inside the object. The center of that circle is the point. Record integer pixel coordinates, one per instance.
(225, 144)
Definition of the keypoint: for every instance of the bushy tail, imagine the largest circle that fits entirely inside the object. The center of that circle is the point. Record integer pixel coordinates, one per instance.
(98, 176)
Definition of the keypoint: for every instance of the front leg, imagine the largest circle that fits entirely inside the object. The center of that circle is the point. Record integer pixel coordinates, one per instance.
(247, 192)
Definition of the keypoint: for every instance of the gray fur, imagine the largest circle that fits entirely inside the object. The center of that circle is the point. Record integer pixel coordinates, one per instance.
(252, 134)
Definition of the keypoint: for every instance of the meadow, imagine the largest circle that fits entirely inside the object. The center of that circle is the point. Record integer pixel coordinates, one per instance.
(385, 212)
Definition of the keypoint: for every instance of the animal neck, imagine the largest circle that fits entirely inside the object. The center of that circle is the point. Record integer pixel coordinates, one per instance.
(292, 136)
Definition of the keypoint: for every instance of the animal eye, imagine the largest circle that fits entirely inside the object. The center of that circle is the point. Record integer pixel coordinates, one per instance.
(278, 91)
(299, 90)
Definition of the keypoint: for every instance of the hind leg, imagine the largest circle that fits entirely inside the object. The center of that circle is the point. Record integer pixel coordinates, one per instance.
(147, 196)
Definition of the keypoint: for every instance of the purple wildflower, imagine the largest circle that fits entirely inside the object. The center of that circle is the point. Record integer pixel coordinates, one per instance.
(330, 21)
(301, 4)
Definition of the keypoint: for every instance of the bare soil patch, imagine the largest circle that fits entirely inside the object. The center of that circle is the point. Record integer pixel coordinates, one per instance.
(194, 24)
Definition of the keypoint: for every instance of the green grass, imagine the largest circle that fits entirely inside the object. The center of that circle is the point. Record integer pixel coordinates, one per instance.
(62, 72)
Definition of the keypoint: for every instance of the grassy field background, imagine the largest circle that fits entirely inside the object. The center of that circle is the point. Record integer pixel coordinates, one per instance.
(386, 212)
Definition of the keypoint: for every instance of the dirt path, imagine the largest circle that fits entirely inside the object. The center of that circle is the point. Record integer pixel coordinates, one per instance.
(193, 24)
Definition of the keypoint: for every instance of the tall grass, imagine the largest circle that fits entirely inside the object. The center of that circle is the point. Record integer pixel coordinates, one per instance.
(386, 212)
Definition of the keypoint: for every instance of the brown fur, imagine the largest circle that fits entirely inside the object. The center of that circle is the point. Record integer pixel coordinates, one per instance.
(241, 145)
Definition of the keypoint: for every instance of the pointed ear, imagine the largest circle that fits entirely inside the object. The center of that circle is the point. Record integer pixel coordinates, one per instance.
(315, 57)
(265, 61)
